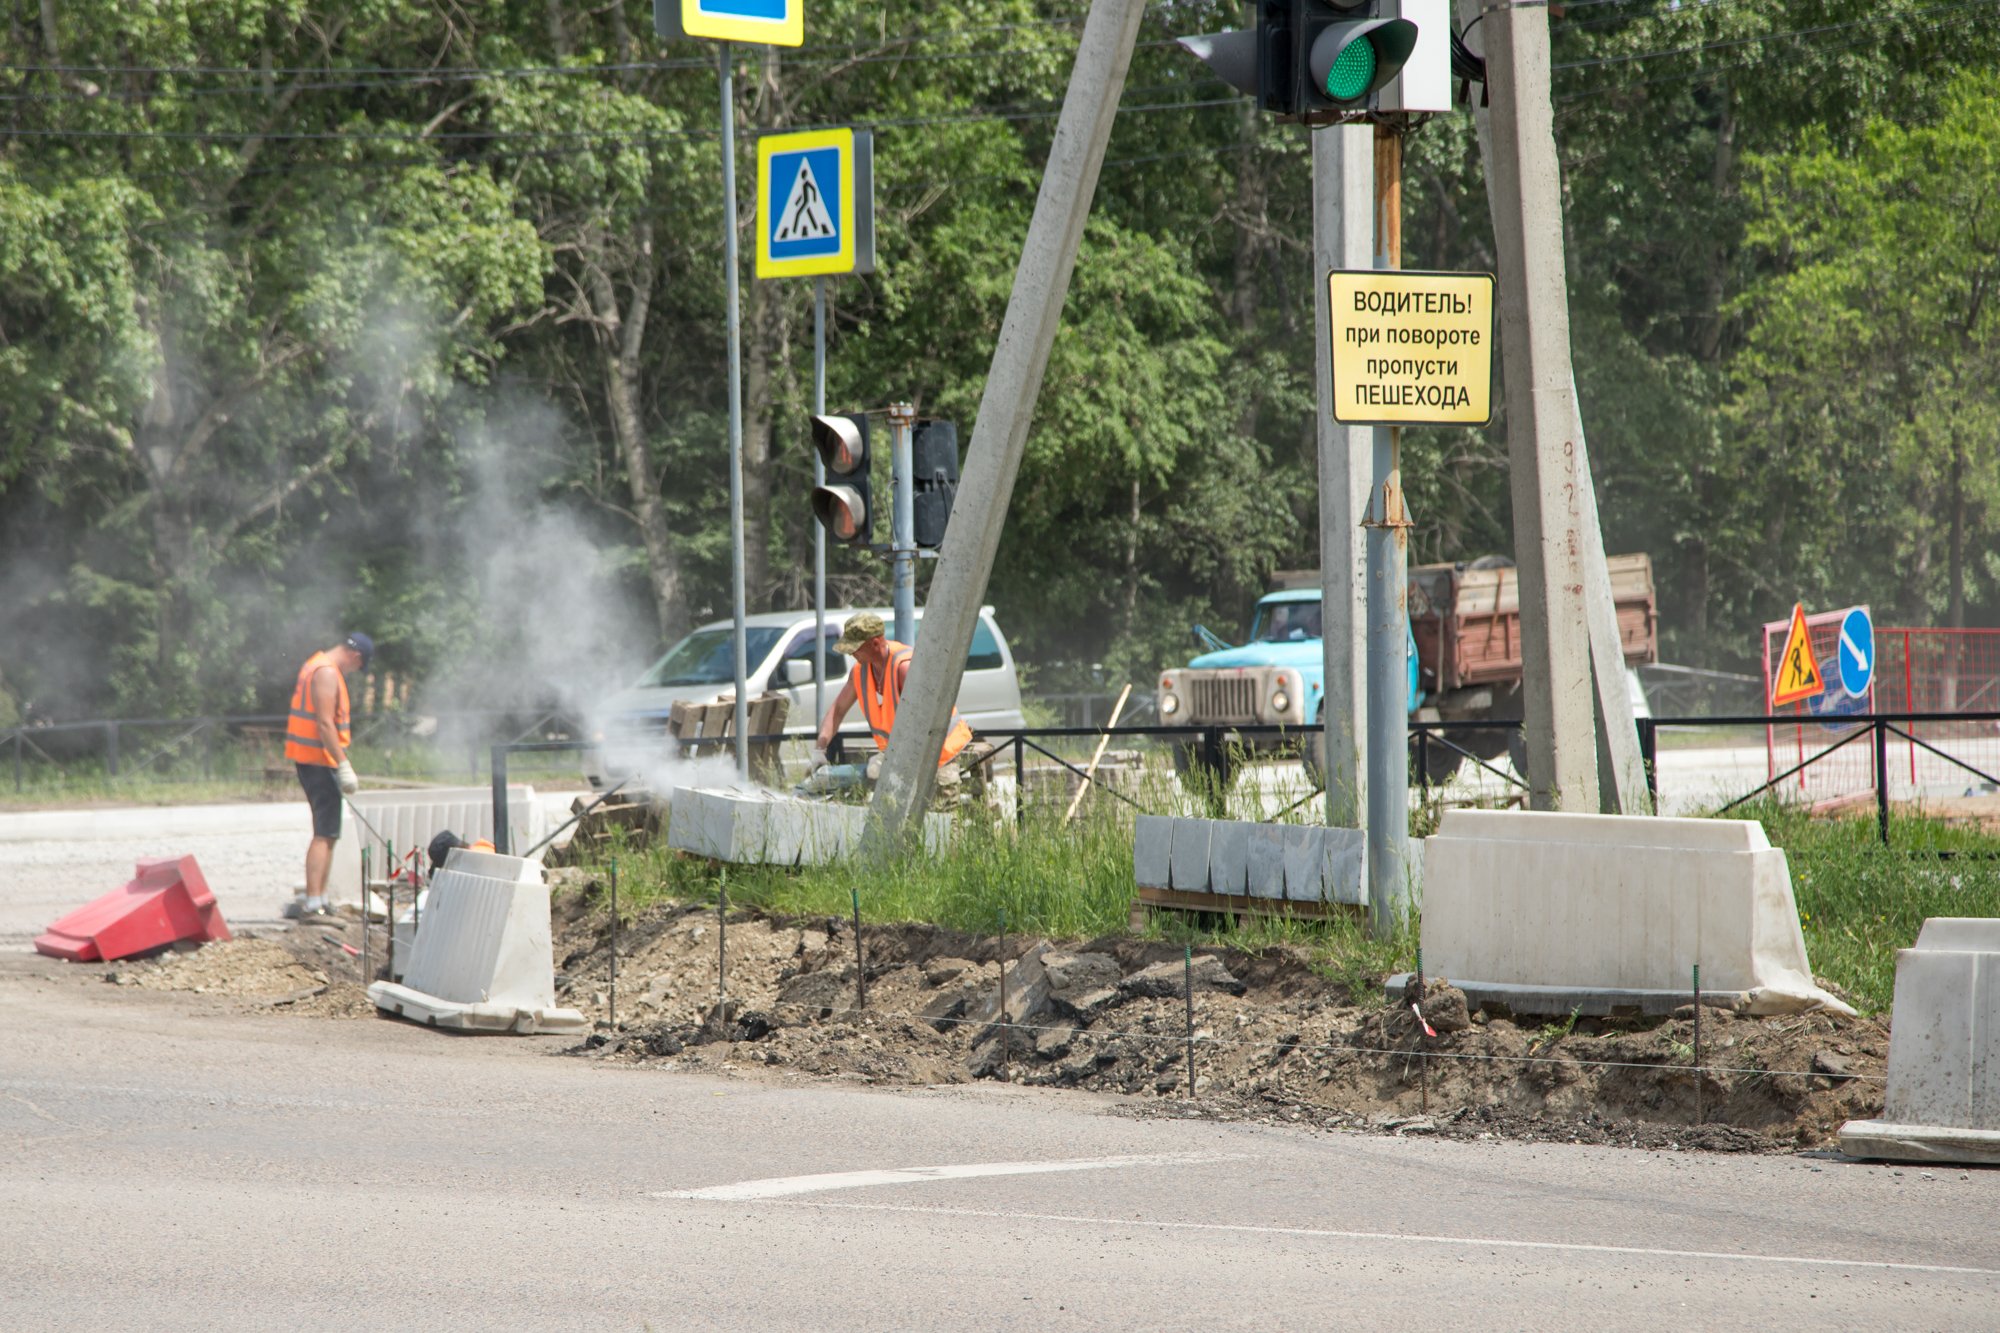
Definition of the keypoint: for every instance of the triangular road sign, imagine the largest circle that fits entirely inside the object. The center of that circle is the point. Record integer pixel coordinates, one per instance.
(1798, 675)
(804, 217)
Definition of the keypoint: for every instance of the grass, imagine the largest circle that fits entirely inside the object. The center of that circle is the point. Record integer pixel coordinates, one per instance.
(1860, 901)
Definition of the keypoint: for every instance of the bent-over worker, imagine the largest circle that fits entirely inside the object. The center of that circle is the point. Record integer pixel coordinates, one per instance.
(316, 739)
(881, 666)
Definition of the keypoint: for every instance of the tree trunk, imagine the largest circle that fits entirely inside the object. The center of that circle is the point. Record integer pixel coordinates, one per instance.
(621, 341)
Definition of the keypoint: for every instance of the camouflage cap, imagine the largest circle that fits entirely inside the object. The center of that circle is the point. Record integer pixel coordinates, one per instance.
(859, 630)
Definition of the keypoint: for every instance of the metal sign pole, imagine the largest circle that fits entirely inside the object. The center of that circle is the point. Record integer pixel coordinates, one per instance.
(735, 326)
(903, 523)
(819, 529)
(1387, 751)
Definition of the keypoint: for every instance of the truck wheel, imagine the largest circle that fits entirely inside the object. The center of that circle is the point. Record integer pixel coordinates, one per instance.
(1200, 773)
(1312, 754)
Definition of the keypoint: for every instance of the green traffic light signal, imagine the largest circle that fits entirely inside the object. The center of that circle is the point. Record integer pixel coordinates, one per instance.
(1353, 69)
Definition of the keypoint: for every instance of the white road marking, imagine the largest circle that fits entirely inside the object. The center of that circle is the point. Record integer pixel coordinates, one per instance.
(780, 1186)
(1472, 1242)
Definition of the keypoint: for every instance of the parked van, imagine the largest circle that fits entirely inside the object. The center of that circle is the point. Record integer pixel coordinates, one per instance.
(778, 647)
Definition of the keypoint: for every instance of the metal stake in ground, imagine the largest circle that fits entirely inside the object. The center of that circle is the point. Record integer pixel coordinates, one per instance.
(1187, 979)
(1006, 1045)
(1697, 1043)
(367, 954)
(614, 944)
(860, 968)
(722, 944)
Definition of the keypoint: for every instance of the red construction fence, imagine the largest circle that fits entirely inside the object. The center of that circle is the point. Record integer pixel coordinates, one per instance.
(1917, 670)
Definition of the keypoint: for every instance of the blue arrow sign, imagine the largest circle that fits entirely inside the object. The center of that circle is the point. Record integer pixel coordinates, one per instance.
(1856, 650)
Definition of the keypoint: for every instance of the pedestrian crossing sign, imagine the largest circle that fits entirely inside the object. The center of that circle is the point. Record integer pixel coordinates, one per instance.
(764, 22)
(1798, 675)
(815, 203)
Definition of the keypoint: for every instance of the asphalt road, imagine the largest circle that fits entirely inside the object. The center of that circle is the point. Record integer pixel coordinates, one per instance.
(174, 1162)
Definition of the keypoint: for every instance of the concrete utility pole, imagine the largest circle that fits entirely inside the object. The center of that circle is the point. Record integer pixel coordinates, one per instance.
(1621, 767)
(1343, 238)
(1006, 408)
(1388, 536)
(1546, 463)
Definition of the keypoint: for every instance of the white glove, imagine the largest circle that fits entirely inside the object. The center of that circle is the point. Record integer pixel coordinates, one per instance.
(819, 759)
(343, 773)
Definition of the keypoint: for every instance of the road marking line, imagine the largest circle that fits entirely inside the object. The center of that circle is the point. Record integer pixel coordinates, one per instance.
(781, 1186)
(1315, 1233)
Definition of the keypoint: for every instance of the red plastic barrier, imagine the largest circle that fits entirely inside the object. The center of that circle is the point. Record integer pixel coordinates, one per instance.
(167, 900)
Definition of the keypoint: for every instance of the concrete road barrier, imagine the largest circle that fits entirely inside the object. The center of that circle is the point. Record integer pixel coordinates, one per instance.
(1553, 913)
(483, 961)
(752, 826)
(1943, 1096)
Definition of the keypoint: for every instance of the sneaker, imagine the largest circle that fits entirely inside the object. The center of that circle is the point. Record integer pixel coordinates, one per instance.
(294, 910)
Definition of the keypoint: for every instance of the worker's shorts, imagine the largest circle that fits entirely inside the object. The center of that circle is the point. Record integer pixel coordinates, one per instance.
(323, 795)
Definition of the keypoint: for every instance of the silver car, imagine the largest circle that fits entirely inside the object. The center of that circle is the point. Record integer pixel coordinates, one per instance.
(778, 646)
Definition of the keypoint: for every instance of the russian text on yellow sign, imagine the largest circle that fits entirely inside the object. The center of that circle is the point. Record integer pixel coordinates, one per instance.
(772, 195)
(1411, 348)
(1798, 675)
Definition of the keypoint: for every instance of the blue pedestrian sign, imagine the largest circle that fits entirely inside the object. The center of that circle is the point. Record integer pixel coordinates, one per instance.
(1856, 650)
(815, 203)
(767, 22)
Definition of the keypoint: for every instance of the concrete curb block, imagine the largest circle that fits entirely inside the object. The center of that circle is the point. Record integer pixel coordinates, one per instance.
(1942, 1102)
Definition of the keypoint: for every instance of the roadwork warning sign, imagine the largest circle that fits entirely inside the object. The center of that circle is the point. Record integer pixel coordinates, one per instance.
(1411, 348)
(1798, 675)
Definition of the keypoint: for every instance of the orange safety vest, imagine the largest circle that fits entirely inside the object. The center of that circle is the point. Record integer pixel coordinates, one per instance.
(302, 743)
(878, 704)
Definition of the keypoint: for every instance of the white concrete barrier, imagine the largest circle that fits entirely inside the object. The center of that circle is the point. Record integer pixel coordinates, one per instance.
(411, 818)
(483, 961)
(752, 826)
(1942, 1103)
(1300, 863)
(1549, 913)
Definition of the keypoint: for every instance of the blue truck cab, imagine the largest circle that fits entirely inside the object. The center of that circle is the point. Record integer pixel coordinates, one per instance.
(1278, 678)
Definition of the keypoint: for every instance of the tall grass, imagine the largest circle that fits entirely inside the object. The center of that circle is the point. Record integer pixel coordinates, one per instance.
(1860, 901)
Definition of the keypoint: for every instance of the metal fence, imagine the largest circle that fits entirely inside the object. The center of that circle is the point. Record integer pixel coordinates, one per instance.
(1681, 778)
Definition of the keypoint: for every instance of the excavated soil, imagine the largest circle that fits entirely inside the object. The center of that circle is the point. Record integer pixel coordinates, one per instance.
(301, 969)
(1274, 1040)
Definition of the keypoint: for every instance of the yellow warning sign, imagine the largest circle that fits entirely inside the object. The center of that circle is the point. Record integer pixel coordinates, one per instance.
(1411, 348)
(1798, 675)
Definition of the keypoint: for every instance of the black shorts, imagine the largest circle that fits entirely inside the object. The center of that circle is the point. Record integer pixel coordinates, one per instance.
(323, 795)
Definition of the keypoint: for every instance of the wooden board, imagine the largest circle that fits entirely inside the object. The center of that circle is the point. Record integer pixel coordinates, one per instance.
(1231, 904)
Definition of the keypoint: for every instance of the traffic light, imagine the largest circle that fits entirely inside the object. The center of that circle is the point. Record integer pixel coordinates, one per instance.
(934, 474)
(1307, 56)
(843, 505)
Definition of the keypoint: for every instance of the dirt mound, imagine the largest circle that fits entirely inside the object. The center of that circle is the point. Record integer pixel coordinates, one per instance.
(1273, 1038)
(251, 967)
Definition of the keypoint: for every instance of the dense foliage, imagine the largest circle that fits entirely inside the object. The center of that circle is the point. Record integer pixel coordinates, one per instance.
(407, 315)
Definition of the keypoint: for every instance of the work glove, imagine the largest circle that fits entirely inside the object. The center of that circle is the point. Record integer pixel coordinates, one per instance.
(819, 759)
(343, 773)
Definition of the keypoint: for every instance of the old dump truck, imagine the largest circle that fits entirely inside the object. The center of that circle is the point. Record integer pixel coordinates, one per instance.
(1464, 659)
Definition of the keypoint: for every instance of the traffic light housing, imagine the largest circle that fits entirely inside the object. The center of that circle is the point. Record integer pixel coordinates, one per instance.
(1308, 57)
(934, 478)
(844, 505)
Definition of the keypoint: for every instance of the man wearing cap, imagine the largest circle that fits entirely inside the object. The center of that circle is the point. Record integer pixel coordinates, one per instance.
(316, 739)
(881, 666)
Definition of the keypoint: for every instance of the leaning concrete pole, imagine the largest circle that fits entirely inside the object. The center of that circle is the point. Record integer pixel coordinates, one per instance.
(1006, 409)
(1546, 463)
(1621, 767)
(1343, 238)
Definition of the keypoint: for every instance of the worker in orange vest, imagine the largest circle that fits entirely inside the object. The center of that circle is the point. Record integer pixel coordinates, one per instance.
(317, 735)
(881, 666)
